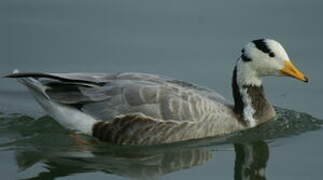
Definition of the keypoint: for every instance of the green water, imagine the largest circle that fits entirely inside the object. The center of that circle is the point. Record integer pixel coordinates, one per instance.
(194, 41)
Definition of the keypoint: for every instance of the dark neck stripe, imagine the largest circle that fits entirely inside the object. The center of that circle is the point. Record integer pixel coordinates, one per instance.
(258, 101)
(238, 103)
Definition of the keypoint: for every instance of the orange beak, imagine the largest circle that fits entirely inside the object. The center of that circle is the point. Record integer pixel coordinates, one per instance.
(290, 70)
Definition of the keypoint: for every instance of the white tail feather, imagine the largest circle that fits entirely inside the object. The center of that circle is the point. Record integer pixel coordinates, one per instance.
(67, 116)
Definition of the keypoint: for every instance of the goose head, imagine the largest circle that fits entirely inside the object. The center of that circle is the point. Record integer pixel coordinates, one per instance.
(259, 58)
(265, 57)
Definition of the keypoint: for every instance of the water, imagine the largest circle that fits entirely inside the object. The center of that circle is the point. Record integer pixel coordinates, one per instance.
(195, 41)
(55, 153)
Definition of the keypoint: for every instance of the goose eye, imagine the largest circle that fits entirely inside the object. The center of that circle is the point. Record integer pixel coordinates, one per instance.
(271, 54)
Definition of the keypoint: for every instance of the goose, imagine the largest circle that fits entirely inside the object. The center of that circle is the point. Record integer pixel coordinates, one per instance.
(144, 109)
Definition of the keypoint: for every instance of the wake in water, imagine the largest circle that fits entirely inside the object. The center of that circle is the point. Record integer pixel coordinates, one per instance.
(43, 141)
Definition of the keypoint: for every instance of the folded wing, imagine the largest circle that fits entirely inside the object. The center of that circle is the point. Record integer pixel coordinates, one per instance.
(105, 96)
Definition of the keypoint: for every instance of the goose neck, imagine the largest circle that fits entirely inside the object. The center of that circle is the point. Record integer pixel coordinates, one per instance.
(250, 102)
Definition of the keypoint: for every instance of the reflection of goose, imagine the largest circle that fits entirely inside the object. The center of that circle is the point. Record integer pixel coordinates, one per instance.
(142, 166)
(250, 163)
(147, 109)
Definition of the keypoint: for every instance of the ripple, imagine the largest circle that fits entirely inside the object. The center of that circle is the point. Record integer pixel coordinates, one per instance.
(21, 130)
(43, 140)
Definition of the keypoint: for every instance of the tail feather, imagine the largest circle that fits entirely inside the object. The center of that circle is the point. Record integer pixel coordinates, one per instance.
(29, 80)
(67, 116)
(17, 74)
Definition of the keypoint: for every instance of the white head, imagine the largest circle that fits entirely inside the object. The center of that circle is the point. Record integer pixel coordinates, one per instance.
(265, 57)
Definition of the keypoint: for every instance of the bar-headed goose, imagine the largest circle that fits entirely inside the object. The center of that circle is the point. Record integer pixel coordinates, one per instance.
(138, 108)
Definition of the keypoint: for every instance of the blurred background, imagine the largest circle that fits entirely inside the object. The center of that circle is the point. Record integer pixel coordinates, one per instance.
(195, 41)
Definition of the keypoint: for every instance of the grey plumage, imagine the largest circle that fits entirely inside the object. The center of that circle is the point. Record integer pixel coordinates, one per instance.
(138, 108)
(126, 93)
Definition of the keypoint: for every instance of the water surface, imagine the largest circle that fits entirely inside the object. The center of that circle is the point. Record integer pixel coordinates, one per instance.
(195, 41)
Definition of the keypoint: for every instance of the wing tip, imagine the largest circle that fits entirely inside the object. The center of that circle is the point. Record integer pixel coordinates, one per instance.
(14, 74)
